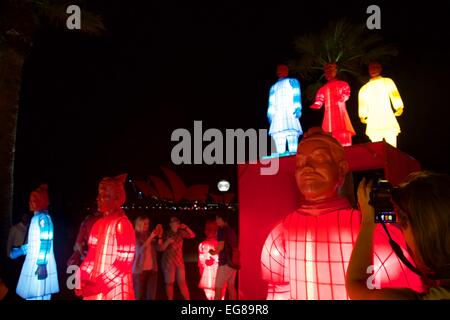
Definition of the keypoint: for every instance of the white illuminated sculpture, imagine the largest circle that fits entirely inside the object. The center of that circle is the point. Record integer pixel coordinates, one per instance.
(38, 279)
(375, 109)
(208, 263)
(284, 111)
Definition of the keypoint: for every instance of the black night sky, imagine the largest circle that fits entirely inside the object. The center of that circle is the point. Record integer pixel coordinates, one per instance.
(97, 106)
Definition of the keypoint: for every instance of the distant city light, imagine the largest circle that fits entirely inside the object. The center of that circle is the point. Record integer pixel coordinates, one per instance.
(223, 185)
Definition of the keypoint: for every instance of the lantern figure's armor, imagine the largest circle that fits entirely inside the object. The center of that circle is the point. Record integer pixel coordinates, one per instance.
(208, 265)
(306, 256)
(333, 95)
(106, 272)
(375, 109)
(110, 258)
(285, 109)
(39, 278)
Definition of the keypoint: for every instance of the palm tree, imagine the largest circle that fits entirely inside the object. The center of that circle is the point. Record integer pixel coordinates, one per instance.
(19, 21)
(349, 45)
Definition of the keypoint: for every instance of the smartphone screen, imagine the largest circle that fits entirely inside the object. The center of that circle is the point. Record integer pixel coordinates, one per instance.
(386, 217)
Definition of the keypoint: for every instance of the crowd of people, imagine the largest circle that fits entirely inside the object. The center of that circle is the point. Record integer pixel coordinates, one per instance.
(116, 260)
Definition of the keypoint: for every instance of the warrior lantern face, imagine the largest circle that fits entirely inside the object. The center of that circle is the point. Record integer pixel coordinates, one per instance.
(330, 70)
(282, 71)
(374, 69)
(111, 194)
(318, 175)
(39, 199)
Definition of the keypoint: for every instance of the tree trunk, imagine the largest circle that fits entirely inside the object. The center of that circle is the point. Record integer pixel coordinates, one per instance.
(18, 24)
(16, 30)
(10, 78)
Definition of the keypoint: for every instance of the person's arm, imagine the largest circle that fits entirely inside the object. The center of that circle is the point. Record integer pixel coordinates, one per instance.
(82, 237)
(149, 240)
(9, 245)
(159, 243)
(188, 233)
(219, 249)
(163, 245)
(357, 280)
(15, 252)
(158, 240)
(220, 242)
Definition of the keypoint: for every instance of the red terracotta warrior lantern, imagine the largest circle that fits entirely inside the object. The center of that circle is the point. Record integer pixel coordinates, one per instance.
(333, 96)
(106, 272)
(306, 255)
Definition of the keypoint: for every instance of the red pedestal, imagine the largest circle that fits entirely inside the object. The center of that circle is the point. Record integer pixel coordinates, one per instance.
(265, 200)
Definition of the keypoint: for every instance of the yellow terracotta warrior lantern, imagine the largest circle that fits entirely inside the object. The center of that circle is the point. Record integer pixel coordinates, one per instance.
(375, 109)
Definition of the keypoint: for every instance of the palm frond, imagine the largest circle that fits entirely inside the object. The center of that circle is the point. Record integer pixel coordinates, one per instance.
(349, 45)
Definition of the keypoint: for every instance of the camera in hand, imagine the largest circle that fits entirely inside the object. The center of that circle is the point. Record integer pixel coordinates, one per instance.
(381, 200)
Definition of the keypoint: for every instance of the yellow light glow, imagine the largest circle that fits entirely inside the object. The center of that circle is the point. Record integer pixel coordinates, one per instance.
(375, 109)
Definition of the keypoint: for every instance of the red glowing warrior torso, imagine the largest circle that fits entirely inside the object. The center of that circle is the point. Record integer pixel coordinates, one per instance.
(305, 257)
(110, 258)
(333, 95)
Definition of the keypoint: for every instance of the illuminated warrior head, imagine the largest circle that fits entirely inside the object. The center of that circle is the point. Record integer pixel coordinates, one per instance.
(39, 198)
(375, 69)
(282, 71)
(321, 166)
(330, 70)
(111, 193)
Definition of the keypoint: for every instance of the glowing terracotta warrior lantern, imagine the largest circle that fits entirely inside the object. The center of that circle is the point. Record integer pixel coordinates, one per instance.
(305, 257)
(284, 111)
(208, 263)
(106, 272)
(38, 279)
(333, 95)
(375, 109)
